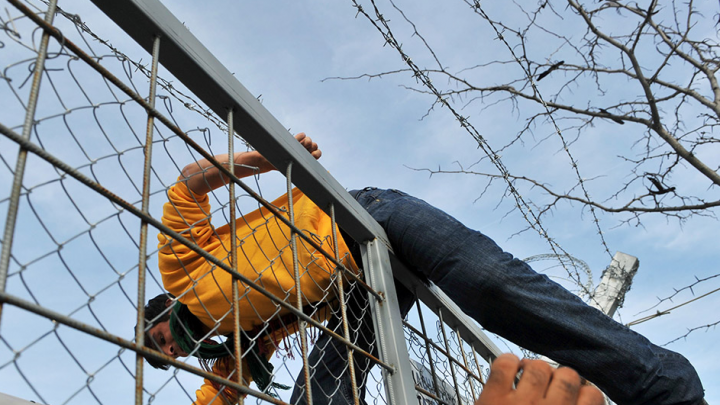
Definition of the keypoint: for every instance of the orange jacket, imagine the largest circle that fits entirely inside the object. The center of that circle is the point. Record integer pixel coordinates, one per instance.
(264, 255)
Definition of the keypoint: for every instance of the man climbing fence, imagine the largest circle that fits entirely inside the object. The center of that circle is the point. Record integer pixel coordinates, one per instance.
(500, 292)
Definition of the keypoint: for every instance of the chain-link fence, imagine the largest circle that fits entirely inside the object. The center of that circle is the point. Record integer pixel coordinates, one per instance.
(101, 153)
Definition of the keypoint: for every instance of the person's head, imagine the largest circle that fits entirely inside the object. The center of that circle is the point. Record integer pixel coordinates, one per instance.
(157, 329)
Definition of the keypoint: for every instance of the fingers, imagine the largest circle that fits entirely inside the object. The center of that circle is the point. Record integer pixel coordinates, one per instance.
(502, 372)
(500, 382)
(590, 395)
(309, 145)
(534, 381)
(564, 387)
(538, 384)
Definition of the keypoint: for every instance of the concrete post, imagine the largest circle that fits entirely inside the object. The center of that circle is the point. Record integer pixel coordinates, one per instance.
(615, 283)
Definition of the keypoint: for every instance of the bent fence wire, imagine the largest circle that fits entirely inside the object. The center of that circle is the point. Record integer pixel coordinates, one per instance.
(94, 144)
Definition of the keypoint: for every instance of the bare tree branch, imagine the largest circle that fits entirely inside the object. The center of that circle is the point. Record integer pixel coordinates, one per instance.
(674, 118)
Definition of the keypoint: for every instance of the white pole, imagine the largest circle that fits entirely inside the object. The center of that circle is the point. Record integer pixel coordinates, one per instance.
(615, 282)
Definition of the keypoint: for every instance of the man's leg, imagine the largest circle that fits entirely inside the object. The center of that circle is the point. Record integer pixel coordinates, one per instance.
(329, 372)
(508, 298)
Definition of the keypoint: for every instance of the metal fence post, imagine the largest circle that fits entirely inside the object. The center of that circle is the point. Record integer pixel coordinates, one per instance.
(399, 384)
(19, 172)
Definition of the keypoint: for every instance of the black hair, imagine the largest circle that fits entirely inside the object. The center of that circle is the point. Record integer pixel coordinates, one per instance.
(156, 311)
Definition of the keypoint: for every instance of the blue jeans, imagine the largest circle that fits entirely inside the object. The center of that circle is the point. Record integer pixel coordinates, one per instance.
(508, 298)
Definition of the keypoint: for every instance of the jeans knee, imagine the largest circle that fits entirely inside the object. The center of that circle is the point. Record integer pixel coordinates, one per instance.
(673, 382)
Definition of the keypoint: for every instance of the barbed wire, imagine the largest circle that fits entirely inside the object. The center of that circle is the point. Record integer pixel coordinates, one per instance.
(678, 291)
(691, 330)
(420, 75)
(476, 6)
(664, 312)
(187, 101)
(667, 311)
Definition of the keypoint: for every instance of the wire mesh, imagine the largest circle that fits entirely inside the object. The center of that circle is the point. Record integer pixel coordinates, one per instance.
(111, 150)
(446, 368)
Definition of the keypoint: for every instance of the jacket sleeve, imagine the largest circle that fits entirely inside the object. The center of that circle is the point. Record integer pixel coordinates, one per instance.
(188, 214)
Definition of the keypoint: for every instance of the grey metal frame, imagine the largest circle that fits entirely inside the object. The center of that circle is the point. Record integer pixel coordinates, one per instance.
(173, 46)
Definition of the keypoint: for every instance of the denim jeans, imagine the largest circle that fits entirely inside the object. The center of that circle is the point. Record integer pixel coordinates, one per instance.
(508, 298)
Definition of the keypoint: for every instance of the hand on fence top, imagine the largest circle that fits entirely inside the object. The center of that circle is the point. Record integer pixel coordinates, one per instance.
(539, 384)
(202, 176)
(309, 145)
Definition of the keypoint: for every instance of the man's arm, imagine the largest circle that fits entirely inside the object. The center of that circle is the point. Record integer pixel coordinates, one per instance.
(202, 176)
